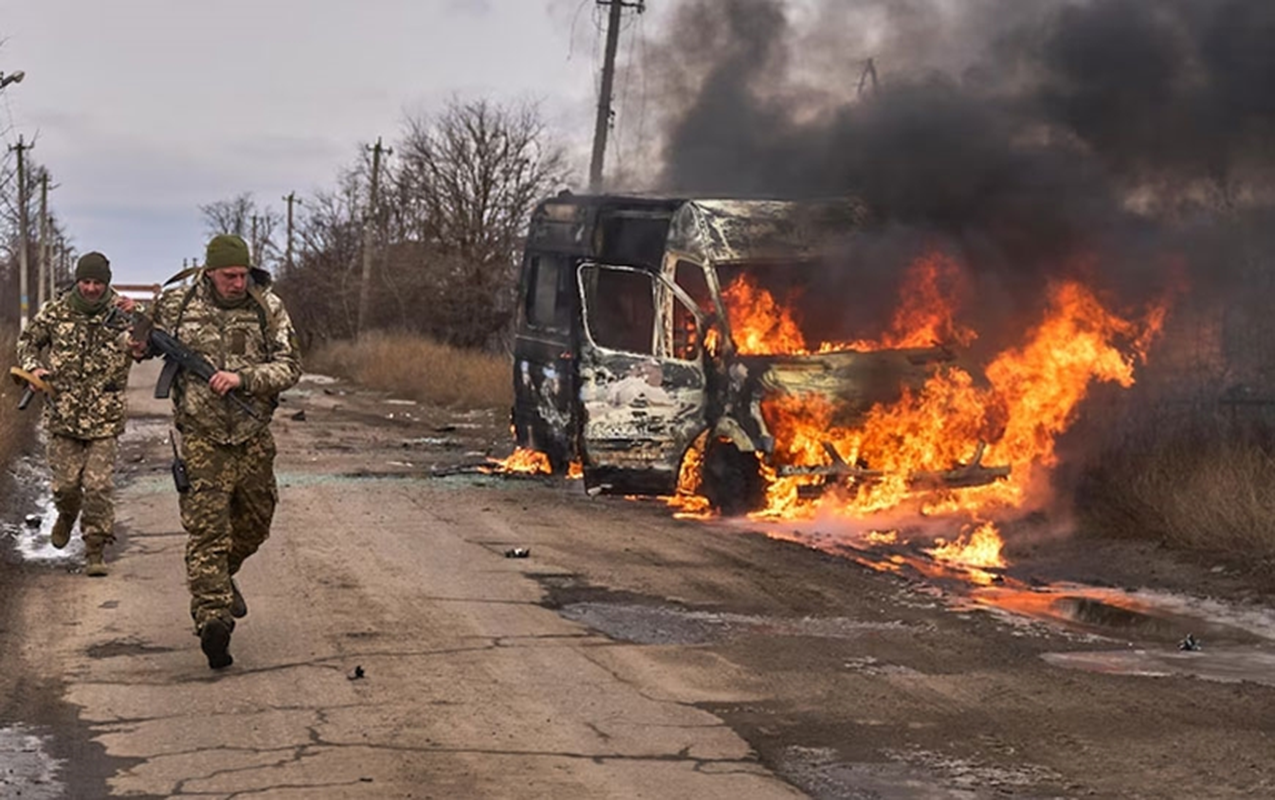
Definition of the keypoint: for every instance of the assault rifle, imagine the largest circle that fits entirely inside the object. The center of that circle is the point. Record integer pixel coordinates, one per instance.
(178, 357)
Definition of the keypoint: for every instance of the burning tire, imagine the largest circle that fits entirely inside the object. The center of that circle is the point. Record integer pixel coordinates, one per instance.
(732, 480)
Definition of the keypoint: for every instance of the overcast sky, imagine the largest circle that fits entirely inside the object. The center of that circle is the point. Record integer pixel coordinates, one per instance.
(144, 109)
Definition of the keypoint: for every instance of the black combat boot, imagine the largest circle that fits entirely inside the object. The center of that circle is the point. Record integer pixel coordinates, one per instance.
(214, 640)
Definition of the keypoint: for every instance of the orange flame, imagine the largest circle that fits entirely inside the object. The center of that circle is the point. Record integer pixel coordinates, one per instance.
(523, 460)
(927, 314)
(1031, 397)
(926, 317)
(687, 499)
(1025, 398)
(981, 549)
(758, 324)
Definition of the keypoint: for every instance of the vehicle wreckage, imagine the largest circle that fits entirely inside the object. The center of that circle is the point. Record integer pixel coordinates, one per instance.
(625, 358)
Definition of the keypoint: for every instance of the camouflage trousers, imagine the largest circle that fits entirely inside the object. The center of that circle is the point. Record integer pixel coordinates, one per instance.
(226, 514)
(83, 483)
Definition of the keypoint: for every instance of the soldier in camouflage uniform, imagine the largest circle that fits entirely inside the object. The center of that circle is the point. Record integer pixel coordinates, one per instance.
(229, 316)
(86, 363)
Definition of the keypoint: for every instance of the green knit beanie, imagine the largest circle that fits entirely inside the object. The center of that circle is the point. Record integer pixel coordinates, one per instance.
(93, 266)
(227, 250)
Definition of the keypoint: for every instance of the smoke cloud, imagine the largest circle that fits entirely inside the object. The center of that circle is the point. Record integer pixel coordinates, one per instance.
(1026, 137)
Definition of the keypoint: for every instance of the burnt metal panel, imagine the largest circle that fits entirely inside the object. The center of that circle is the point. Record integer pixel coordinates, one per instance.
(737, 230)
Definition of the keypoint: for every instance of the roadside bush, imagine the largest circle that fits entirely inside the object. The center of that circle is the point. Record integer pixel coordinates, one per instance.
(419, 369)
(1198, 484)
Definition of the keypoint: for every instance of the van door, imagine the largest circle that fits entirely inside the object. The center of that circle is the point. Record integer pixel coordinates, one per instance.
(544, 368)
(642, 380)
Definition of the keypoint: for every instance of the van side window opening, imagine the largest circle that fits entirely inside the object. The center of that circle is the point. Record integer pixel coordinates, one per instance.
(621, 310)
(547, 292)
(684, 333)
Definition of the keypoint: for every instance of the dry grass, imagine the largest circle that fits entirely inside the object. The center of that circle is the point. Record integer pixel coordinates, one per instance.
(17, 428)
(1201, 487)
(415, 368)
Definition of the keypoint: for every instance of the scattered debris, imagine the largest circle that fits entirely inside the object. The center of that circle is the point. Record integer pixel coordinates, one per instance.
(461, 469)
(357, 674)
(1190, 643)
(432, 441)
(517, 552)
(299, 416)
(34, 520)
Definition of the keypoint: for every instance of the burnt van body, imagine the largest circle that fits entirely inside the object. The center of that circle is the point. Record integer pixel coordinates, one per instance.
(624, 354)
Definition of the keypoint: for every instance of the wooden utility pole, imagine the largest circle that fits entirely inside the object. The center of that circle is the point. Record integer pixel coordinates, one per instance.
(603, 123)
(290, 199)
(42, 250)
(23, 271)
(369, 223)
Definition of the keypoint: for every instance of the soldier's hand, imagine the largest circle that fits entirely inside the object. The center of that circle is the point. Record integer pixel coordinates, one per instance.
(126, 304)
(41, 372)
(222, 381)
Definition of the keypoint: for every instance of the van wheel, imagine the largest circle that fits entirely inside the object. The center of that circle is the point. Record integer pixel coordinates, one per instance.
(732, 480)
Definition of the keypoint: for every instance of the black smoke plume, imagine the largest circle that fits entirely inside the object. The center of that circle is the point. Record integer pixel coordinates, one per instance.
(1028, 137)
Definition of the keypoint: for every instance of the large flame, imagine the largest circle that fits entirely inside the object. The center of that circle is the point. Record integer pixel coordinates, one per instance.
(1031, 396)
(1027, 396)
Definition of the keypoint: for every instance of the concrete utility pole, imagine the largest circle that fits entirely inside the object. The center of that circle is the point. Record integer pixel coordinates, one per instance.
(369, 223)
(603, 123)
(252, 243)
(42, 250)
(23, 271)
(59, 266)
(290, 199)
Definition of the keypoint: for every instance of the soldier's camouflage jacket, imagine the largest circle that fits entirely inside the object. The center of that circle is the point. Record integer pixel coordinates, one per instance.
(256, 340)
(89, 362)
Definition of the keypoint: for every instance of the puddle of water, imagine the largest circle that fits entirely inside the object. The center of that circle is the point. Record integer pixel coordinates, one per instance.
(32, 541)
(1236, 641)
(26, 768)
(1223, 664)
(1138, 615)
(645, 624)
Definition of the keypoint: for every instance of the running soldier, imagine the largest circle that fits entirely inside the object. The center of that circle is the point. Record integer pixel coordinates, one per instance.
(72, 346)
(229, 316)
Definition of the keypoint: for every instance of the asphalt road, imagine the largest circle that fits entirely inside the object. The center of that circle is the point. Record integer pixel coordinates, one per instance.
(393, 650)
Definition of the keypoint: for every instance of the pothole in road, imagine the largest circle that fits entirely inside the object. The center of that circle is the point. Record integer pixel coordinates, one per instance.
(26, 768)
(914, 775)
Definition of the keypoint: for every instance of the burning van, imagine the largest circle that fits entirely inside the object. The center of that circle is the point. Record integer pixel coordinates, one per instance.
(657, 335)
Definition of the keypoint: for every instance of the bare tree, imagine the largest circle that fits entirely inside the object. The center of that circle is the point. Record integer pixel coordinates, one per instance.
(465, 184)
(241, 216)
